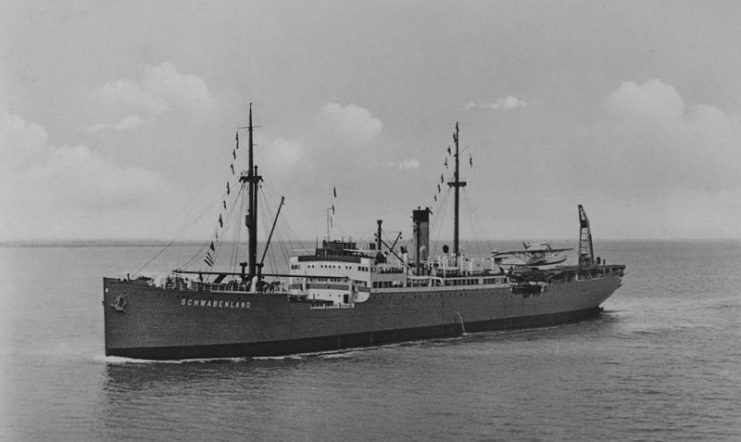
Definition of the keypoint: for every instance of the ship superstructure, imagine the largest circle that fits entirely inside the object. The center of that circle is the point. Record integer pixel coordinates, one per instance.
(341, 295)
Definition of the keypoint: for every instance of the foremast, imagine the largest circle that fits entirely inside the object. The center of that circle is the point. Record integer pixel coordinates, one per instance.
(252, 178)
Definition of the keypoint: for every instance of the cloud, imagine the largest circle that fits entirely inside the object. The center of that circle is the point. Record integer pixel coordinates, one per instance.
(404, 164)
(660, 143)
(282, 153)
(352, 124)
(159, 90)
(663, 166)
(507, 103)
(653, 101)
(21, 143)
(129, 122)
(132, 96)
(339, 135)
(53, 191)
(183, 91)
(82, 178)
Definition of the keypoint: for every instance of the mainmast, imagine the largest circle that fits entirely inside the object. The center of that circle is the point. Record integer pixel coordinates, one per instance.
(252, 179)
(456, 184)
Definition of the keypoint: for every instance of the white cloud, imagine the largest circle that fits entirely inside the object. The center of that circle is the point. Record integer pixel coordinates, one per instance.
(655, 157)
(183, 91)
(652, 101)
(506, 103)
(132, 96)
(128, 122)
(283, 153)
(85, 179)
(352, 124)
(663, 144)
(59, 192)
(159, 90)
(21, 143)
(404, 164)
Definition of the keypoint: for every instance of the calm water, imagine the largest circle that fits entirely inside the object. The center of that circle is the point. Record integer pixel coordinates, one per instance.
(662, 363)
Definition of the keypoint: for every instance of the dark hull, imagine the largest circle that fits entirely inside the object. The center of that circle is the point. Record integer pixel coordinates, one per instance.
(339, 342)
(162, 324)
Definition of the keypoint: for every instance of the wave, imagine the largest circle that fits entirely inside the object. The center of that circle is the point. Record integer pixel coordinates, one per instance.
(118, 360)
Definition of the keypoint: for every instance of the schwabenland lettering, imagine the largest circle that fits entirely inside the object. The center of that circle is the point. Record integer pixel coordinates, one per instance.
(213, 303)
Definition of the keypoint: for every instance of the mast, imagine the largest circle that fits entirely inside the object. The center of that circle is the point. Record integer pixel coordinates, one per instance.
(252, 179)
(457, 184)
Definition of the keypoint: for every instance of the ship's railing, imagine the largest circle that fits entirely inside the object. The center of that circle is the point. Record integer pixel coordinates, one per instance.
(332, 306)
(182, 284)
(463, 265)
(600, 272)
(434, 281)
(380, 268)
(568, 274)
(424, 281)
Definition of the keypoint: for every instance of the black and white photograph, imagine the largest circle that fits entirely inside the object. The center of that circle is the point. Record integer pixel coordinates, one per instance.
(372, 220)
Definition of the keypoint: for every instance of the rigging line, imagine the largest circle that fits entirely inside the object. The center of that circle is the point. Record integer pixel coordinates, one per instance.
(477, 225)
(281, 241)
(241, 227)
(235, 235)
(232, 233)
(270, 216)
(270, 195)
(274, 257)
(179, 234)
(470, 210)
(290, 240)
(198, 256)
(280, 244)
(436, 224)
(286, 236)
(266, 218)
(284, 244)
(234, 260)
(439, 221)
(221, 232)
(269, 246)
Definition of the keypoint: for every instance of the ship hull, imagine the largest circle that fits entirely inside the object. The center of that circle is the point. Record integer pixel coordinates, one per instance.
(154, 323)
(339, 342)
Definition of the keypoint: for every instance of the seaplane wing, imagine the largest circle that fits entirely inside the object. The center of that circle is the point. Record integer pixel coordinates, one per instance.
(529, 251)
(531, 257)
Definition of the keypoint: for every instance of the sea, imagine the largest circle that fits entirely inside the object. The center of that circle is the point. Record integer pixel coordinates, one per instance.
(661, 363)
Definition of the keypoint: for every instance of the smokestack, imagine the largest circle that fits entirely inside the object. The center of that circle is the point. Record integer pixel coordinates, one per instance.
(421, 220)
(379, 239)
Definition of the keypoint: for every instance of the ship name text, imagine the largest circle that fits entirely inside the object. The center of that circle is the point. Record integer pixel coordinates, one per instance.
(214, 303)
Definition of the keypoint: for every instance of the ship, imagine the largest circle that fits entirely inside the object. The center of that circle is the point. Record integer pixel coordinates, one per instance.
(339, 295)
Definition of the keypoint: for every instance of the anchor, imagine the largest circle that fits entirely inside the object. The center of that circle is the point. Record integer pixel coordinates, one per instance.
(119, 304)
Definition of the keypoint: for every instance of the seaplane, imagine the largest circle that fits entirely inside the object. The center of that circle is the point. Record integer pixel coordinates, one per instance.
(532, 255)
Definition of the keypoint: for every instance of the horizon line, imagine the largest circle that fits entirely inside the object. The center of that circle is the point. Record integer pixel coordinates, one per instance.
(158, 242)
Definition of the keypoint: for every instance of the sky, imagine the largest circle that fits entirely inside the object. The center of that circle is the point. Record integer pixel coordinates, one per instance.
(118, 119)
